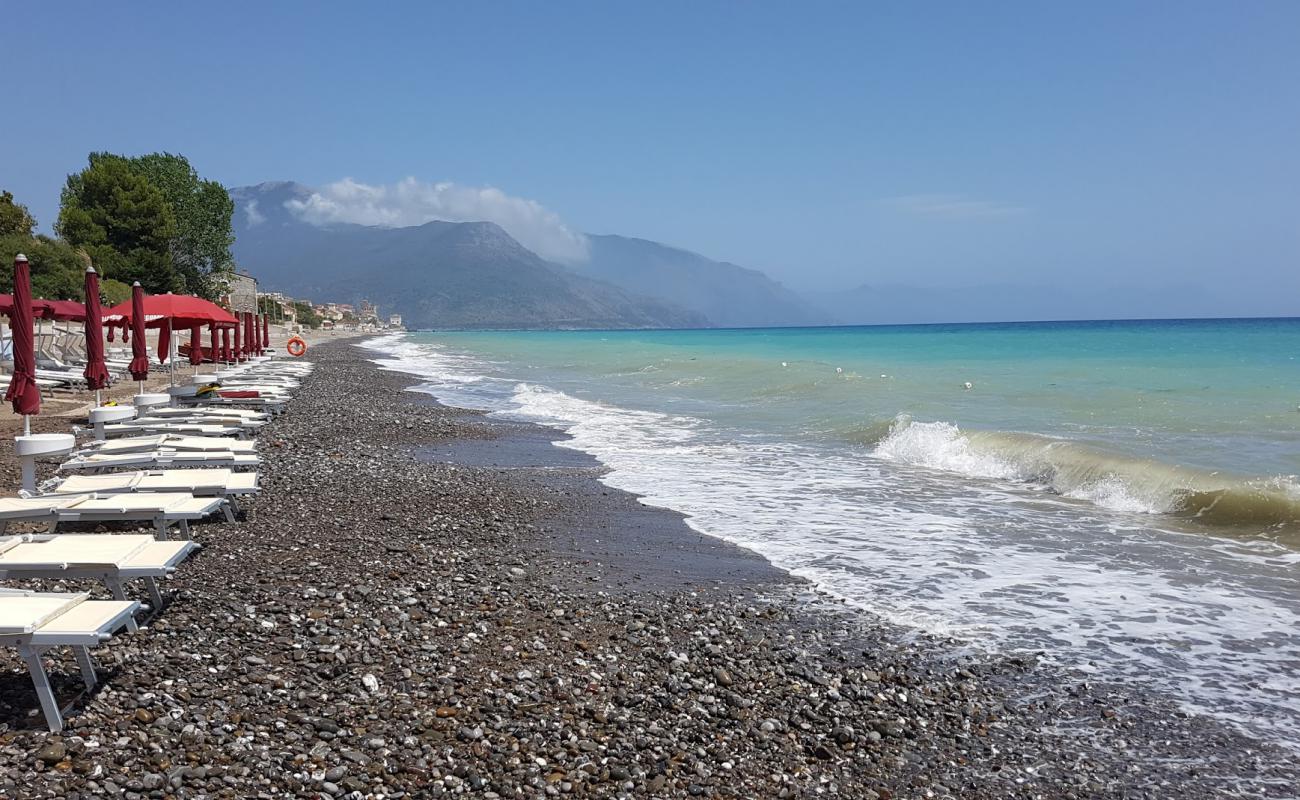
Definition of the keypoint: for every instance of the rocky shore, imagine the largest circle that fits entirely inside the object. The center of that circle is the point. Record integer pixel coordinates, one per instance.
(424, 602)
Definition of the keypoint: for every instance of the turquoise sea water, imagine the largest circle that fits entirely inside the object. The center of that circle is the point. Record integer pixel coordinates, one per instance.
(1121, 494)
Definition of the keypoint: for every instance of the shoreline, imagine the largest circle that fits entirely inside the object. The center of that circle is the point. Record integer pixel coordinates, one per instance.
(425, 601)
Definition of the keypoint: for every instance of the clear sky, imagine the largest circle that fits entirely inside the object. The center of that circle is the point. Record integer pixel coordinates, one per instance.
(1137, 144)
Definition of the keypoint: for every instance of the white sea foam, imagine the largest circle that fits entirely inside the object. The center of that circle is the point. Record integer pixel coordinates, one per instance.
(910, 536)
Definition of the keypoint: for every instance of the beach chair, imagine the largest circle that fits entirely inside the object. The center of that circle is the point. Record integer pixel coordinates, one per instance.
(223, 483)
(178, 426)
(112, 559)
(162, 441)
(94, 462)
(33, 622)
(162, 509)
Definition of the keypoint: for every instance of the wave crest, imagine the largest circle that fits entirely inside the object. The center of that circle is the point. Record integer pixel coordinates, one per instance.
(1084, 472)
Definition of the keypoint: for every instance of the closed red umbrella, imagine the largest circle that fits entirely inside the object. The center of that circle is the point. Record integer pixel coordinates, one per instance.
(96, 370)
(225, 345)
(213, 355)
(139, 367)
(254, 338)
(196, 347)
(164, 343)
(238, 355)
(266, 332)
(23, 392)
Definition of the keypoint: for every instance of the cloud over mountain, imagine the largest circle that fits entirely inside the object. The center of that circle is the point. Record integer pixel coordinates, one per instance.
(412, 202)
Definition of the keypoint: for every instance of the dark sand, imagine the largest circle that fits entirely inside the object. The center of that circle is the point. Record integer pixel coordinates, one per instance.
(426, 602)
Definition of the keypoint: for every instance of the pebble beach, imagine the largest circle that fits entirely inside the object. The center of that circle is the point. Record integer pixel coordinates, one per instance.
(424, 602)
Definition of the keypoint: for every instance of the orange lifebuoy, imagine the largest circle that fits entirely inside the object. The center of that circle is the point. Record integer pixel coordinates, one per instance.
(296, 346)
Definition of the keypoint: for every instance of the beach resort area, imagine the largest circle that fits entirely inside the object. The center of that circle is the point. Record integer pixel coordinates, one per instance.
(268, 575)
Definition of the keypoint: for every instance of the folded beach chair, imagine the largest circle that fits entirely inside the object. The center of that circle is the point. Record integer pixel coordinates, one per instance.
(133, 444)
(198, 482)
(162, 509)
(113, 559)
(34, 622)
(95, 462)
(177, 426)
(199, 412)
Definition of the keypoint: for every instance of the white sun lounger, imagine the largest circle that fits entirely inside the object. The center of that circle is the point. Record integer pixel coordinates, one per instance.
(94, 462)
(243, 414)
(113, 559)
(162, 441)
(178, 427)
(163, 509)
(198, 482)
(34, 622)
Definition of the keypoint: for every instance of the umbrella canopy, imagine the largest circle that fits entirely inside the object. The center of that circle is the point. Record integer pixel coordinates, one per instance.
(139, 366)
(184, 311)
(96, 370)
(65, 310)
(23, 392)
(196, 346)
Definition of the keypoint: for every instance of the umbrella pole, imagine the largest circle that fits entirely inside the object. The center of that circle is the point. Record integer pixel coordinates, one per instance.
(27, 425)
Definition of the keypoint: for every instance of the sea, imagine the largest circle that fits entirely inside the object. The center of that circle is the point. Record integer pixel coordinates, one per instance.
(1121, 496)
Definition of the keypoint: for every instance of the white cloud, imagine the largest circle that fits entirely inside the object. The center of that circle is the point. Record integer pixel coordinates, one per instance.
(411, 202)
(252, 214)
(954, 206)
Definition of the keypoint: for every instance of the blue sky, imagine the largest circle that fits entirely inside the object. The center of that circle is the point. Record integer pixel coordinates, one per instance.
(1138, 145)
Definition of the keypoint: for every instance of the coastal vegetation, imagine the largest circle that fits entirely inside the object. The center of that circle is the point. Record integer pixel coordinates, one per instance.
(148, 218)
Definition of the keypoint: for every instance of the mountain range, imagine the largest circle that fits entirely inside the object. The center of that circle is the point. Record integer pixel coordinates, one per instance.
(475, 275)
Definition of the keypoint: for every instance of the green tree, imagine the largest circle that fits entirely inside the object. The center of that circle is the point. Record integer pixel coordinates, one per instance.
(123, 222)
(14, 218)
(306, 315)
(203, 210)
(57, 268)
(114, 292)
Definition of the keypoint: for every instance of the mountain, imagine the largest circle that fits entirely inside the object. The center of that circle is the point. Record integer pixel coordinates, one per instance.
(440, 274)
(727, 294)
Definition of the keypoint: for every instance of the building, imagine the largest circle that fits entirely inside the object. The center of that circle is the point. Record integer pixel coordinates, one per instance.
(394, 320)
(241, 293)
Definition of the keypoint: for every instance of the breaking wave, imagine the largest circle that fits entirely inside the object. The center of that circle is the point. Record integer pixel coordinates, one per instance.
(1086, 472)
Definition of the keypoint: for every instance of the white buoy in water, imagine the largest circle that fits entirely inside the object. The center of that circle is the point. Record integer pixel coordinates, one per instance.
(784, 364)
(969, 385)
(839, 370)
(883, 375)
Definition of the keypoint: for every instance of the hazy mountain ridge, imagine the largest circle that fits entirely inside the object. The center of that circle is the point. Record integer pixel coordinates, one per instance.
(440, 274)
(473, 274)
(728, 294)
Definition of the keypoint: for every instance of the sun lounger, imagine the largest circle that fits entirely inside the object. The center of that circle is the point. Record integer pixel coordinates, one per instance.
(248, 414)
(179, 427)
(113, 559)
(163, 509)
(198, 482)
(34, 622)
(160, 459)
(169, 442)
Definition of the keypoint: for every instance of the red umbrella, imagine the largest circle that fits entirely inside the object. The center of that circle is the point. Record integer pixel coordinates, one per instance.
(266, 332)
(213, 354)
(196, 346)
(96, 370)
(254, 346)
(225, 345)
(23, 392)
(139, 366)
(183, 310)
(238, 354)
(164, 343)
